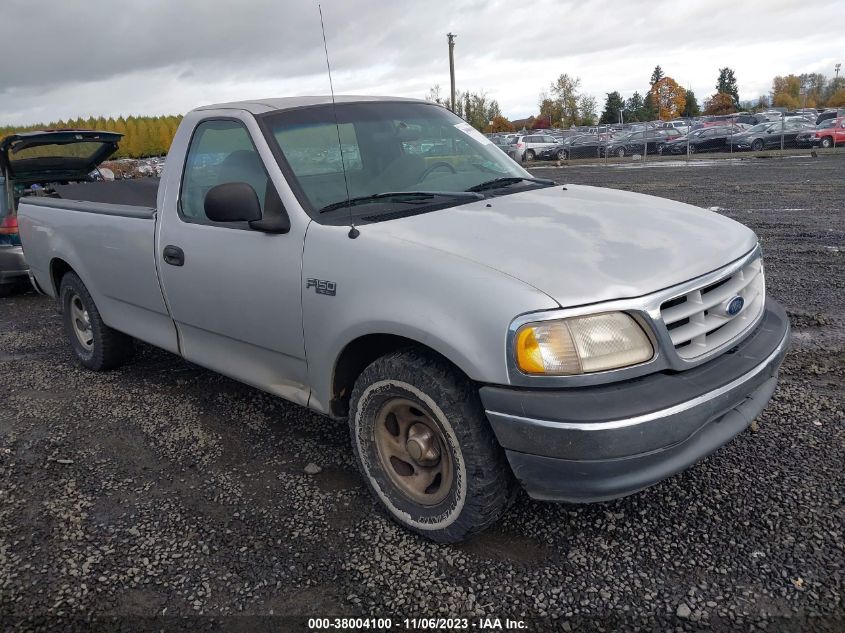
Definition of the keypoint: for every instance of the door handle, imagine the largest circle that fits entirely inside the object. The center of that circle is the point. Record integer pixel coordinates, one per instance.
(174, 256)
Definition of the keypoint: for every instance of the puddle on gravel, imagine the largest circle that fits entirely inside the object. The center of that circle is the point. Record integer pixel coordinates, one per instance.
(335, 479)
(37, 394)
(321, 600)
(508, 548)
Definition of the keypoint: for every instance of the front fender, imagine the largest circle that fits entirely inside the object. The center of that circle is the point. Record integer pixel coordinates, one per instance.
(384, 285)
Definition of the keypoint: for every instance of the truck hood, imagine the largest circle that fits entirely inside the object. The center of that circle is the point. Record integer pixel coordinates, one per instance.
(580, 244)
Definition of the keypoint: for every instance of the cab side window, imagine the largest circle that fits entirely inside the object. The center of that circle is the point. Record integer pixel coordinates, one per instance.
(221, 151)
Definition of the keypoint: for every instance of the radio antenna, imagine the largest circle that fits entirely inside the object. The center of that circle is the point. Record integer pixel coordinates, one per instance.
(353, 232)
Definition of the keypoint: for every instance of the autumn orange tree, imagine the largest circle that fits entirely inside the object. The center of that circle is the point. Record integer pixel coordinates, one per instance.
(500, 124)
(786, 91)
(719, 103)
(669, 98)
(837, 99)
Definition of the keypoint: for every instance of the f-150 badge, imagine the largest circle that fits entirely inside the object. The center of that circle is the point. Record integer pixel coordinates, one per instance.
(322, 287)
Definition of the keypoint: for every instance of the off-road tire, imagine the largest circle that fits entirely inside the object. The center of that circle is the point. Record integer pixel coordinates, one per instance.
(110, 348)
(482, 485)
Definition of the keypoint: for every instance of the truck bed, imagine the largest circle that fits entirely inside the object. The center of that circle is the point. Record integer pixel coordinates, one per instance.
(110, 245)
(137, 193)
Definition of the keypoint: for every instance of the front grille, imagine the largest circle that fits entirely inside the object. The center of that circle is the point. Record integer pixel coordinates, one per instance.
(698, 322)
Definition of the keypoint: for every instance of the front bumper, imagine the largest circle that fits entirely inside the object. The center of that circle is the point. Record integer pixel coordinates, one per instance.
(13, 268)
(602, 442)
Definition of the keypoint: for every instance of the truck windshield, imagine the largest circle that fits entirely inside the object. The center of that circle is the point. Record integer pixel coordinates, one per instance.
(385, 147)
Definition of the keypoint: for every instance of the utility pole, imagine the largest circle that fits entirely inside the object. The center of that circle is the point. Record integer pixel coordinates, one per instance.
(451, 39)
(836, 70)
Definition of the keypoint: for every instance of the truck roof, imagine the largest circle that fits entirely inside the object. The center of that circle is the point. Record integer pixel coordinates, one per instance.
(260, 106)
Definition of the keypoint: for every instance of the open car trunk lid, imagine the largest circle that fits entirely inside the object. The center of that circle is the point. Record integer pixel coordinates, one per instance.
(55, 155)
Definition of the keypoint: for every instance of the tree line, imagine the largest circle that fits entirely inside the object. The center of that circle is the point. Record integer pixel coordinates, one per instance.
(143, 136)
(665, 99)
(563, 104)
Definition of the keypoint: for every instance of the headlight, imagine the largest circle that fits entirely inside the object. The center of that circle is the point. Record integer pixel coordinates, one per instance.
(581, 345)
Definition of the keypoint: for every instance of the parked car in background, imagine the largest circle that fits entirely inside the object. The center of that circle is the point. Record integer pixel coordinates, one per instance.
(772, 135)
(527, 146)
(586, 146)
(809, 138)
(13, 269)
(682, 125)
(706, 139)
(555, 152)
(830, 114)
(651, 141)
(30, 158)
(834, 135)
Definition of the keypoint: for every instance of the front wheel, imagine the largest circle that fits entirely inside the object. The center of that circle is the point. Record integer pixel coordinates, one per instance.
(425, 447)
(620, 152)
(757, 145)
(827, 142)
(561, 154)
(96, 345)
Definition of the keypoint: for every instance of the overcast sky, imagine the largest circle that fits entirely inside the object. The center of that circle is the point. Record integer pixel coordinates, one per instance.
(68, 59)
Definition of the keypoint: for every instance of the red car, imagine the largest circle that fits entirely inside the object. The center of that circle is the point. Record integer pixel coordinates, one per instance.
(834, 135)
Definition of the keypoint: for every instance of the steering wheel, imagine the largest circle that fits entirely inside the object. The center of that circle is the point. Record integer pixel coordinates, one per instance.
(434, 166)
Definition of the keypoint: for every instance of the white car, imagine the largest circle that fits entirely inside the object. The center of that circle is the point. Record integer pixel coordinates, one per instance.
(528, 146)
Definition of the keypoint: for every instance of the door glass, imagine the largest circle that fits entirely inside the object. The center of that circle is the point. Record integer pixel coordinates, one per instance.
(220, 152)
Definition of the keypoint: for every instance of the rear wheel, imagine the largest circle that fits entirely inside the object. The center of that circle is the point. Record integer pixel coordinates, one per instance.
(528, 155)
(620, 152)
(827, 142)
(561, 154)
(757, 145)
(96, 345)
(422, 441)
(692, 149)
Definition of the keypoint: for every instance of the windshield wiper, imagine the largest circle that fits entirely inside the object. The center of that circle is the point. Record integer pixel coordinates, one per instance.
(507, 181)
(401, 196)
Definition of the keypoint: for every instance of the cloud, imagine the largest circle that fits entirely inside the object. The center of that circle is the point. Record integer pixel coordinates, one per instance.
(162, 56)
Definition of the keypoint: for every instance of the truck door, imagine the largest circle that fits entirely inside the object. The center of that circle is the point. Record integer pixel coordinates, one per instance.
(232, 291)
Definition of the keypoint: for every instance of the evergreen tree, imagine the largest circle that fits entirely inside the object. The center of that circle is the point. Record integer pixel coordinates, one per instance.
(726, 84)
(649, 110)
(633, 107)
(691, 107)
(656, 75)
(613, 107)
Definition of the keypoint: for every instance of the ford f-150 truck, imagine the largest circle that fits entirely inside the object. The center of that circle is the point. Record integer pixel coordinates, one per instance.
(476, 326)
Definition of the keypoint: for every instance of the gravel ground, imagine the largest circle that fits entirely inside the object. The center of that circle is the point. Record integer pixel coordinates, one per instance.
(162, 489)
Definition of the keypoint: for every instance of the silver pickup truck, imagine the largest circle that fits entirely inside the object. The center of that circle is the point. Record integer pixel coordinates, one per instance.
(378, 260)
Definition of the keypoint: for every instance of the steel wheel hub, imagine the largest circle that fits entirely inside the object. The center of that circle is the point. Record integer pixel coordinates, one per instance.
(81, 322)
(412, 451)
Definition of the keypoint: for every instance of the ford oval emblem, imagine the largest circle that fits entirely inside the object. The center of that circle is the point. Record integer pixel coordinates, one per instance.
(734, 306)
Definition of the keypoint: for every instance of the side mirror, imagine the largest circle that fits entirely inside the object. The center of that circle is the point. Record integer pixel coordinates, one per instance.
(232, 202)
